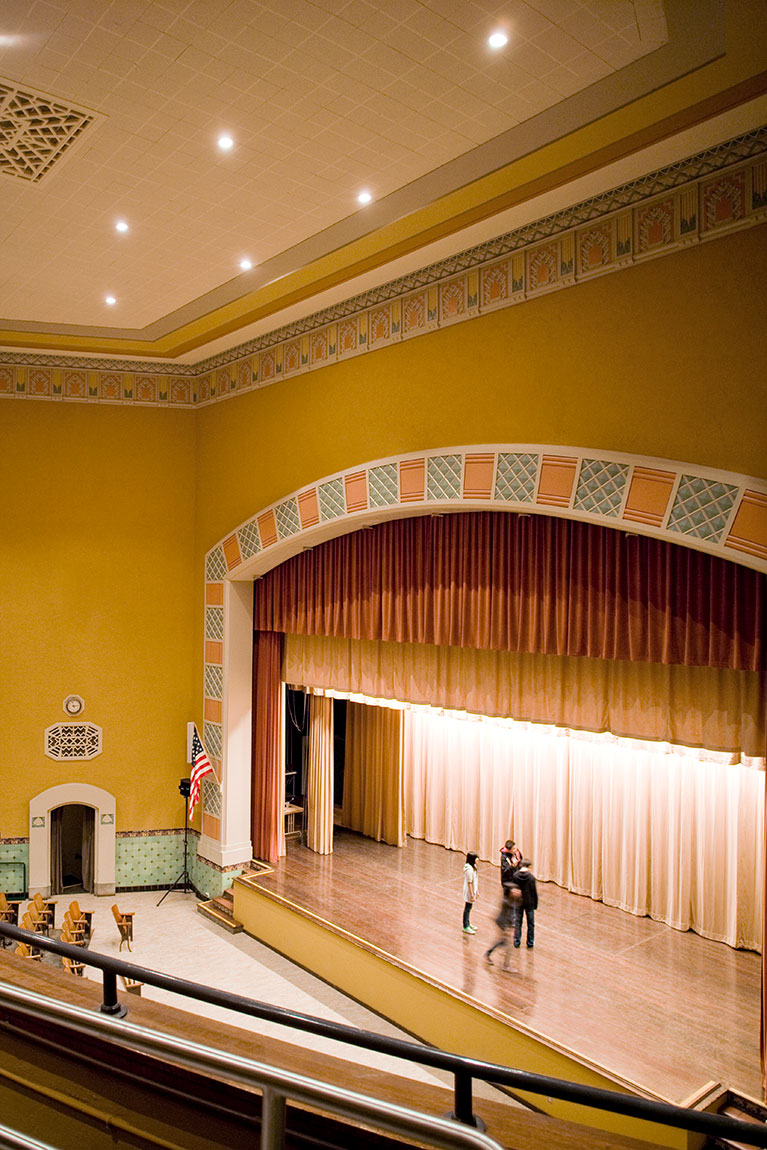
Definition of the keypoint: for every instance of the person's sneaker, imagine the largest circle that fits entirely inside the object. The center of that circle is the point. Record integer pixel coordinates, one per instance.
(517, 945)
(530, 945)
(469, 930)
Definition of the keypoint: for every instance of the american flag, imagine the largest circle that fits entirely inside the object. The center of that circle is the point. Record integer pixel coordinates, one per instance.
(200, 768)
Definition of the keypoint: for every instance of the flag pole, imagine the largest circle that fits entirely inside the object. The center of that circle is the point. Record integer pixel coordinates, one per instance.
(183, 881)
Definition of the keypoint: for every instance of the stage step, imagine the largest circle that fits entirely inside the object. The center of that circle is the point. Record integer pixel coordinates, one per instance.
(221, 911)
(740, 1106)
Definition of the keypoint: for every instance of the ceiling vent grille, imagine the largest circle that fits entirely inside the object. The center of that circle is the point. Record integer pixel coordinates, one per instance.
(36, 131)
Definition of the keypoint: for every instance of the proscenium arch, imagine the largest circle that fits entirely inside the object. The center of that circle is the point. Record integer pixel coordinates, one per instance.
(104, 809)
(718, 512)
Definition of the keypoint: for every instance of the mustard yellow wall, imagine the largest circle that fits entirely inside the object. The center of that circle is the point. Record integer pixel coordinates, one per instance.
(663, 359)
(107, 512)
(98, 579)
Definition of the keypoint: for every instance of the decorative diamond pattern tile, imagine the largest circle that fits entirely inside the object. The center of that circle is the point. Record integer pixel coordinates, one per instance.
(332, 499)
(214, 682)
(211, 797)
(600, 487)
(213, 742)
(383, 485)
(444, 477)
(286, 515)
(701, 507)
(214, 622)
(515, 477)
(250, 543)
(148, 860)
(215, 565)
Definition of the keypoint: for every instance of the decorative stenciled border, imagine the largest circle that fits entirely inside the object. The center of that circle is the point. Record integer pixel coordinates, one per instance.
(717, 512)
(720, 190)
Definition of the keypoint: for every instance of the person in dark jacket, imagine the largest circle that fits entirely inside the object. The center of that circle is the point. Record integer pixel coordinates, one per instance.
(525, 880)
(508, 917)
(511, 856)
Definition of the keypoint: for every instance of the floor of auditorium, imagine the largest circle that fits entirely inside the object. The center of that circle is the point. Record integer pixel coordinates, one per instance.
(665, 1009)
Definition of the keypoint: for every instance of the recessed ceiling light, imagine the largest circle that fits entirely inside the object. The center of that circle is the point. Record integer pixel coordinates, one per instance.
(246, 265)
(498, 40)
(364, 198)
(225, 143)
(110, 299)
(121, 226)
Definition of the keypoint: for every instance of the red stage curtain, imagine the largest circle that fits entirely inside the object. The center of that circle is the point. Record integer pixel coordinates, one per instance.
(267, 745)
(499, 581)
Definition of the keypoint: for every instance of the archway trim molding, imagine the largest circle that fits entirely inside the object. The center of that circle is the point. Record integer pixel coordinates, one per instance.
(720, 512)
(40, 807)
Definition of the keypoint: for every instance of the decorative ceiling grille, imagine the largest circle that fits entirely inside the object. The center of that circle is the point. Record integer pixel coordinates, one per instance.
(36, 131)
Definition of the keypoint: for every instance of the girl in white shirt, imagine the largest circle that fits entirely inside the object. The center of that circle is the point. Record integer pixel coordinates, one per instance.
(470, 890)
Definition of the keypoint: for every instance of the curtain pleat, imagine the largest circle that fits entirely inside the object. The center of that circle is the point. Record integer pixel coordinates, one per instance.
(87, 846)
(373, 788)
(57, 873)
(592, 812)
(268, 774)
(711, 707)
(498, 581)
(319, 787)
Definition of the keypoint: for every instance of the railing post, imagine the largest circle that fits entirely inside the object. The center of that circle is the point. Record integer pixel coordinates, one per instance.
(110, 1005)
(272, 1119)
(463, 1105)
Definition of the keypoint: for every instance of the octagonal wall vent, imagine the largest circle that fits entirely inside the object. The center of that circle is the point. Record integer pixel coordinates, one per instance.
(36, 131)
(69, 741)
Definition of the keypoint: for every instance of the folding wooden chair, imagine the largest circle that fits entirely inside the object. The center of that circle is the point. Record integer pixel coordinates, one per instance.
(124, 925)
(131, 985)
(74, 932)
(81, 917)
(9, 912)
(73, 967)
(46, 909)
(33, 920)
(25, 951)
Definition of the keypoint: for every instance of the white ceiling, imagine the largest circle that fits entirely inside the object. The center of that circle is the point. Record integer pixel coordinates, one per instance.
(322, 98)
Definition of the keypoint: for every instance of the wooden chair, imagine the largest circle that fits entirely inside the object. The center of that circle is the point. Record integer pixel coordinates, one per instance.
(124, 925)
(46, 909)
(73, 967)
(81, 917)
(25, 951)
(131, 985)
(33, 920)
(73, 930)
(9, 911)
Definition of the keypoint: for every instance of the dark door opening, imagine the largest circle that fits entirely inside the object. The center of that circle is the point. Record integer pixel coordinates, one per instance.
(72, 832)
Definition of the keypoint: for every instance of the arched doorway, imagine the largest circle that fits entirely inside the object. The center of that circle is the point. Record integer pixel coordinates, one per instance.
(72, 848)
(42, 816)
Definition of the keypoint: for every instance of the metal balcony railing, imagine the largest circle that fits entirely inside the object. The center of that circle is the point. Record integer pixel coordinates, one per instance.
(464, 1070)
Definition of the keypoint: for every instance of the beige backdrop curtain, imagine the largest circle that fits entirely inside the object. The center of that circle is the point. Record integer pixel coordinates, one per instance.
(373, 790)
(697, 706)
(319, 783)
(643, 827)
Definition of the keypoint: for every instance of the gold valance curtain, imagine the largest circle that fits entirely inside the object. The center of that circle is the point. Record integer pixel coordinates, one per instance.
(713, 707)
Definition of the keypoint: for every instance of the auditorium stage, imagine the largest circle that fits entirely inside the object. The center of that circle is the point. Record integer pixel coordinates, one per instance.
(666, 1010)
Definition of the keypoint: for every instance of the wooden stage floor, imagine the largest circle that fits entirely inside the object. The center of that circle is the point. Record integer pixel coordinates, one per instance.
(667, 1010)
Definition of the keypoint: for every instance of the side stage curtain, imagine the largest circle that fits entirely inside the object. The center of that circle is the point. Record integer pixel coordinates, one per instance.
(268, 787)
(373, 789)
(710, 707)
(499, 581)
(319, 787)
(648, 829)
